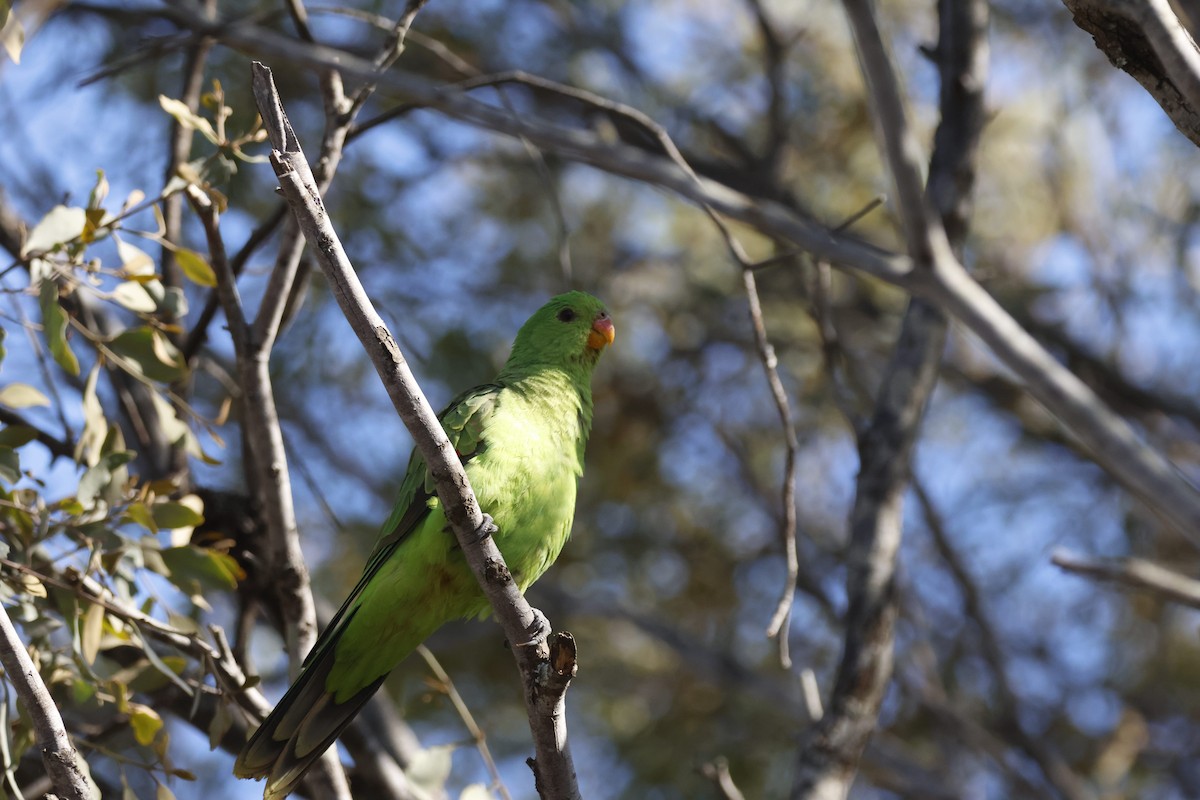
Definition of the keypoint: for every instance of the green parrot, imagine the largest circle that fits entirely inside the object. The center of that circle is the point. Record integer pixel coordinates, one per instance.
(521, 439)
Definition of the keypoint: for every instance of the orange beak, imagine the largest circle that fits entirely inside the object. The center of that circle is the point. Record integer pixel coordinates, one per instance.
(602, 333)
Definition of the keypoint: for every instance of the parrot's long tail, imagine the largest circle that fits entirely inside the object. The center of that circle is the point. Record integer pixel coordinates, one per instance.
(301, 727)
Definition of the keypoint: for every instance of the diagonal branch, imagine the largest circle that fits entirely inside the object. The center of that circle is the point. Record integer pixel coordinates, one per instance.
(1134, 572)
(546, 668)
(66, 768)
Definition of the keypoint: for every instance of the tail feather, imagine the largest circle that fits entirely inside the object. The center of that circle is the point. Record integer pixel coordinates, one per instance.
(301, 727)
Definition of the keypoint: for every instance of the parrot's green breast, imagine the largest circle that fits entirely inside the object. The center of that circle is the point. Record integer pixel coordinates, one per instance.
(525, 475)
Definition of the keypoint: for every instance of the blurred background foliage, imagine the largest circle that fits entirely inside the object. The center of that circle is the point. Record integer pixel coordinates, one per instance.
(1084, 227)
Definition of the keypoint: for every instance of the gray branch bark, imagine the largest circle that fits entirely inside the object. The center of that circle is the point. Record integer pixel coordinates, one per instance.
(1136, 573)
(1145, 39)
(66, 768)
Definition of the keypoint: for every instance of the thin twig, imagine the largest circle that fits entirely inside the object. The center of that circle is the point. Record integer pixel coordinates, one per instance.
(1134, 572)
(717, 771)
(1043, 752)
(446, 685)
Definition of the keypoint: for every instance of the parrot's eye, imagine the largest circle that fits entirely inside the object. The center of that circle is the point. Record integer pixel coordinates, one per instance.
(566, 315)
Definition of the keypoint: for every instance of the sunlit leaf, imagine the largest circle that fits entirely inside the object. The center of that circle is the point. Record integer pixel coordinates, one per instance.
(163, 793)
(210, 568)
(140, 513)
(70, 505)
(92, 630)
(476, 791)
(195, 267)
(54, 327)
(134, 260)
(22, 395)
(430, 767)
(94, 219)
(133, 295)
(187, 118)
(175, 515)
(61, 225)
(145, 721)
(99, 192)
(12, 33)
(28, 584)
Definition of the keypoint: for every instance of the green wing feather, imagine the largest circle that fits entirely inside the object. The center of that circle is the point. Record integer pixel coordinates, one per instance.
(309, 717)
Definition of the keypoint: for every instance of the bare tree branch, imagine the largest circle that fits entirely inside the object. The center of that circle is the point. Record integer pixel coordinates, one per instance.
(1110, 440)
(64, 765)
(1144, 38)
(830, 752)
(545, 667)
(1135, 572)
(269, 462)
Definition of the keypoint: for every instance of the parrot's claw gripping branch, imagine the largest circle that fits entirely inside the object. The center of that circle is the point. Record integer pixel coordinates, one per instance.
(486, 530)
(537, 631)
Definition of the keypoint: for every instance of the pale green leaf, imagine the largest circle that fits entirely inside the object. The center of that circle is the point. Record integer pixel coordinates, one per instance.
(145, 721)
(210, 568)
(54, 327)
(163, 793)
(133, 295)
(175, 515)
(140, 513)
(29, 585)
(476, 791)
(430, 767)
(151, 353)
(12, 33)
(95, 423)
(22, 395)
(134, 260)
(10, 465)
(187, 118)
(195, 267)
(221, 722)
(99, 191)
(174, 302)
(60, 226)
(93, 629)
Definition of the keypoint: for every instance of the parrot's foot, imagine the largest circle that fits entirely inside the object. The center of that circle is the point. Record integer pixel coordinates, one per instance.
(486, 528)
(538, 630)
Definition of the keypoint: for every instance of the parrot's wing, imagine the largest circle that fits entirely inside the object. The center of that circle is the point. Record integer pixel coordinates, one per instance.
(307, 720)
(464, 420)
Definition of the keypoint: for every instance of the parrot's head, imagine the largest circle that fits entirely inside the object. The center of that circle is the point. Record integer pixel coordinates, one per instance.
(572, 329)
